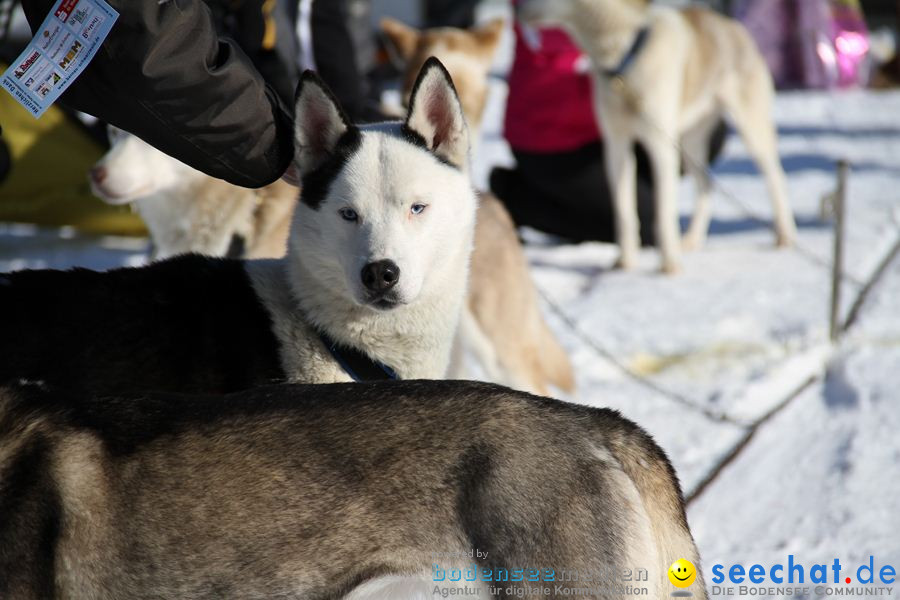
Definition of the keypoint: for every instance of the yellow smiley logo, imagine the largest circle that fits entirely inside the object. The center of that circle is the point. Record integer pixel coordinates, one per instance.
(682, 573)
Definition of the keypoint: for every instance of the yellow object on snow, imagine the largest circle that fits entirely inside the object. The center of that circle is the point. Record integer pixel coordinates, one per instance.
(48, 184)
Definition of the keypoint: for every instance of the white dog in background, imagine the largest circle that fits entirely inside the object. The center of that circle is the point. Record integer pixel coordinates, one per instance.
(188, 211)
(665, 77)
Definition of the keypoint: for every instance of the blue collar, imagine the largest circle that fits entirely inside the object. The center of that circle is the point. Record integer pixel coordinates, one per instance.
(359, 366)
(636, 46)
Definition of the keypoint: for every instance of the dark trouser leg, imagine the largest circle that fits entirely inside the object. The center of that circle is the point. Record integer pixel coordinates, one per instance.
(450, 13)
(335, 54)
(567, 194)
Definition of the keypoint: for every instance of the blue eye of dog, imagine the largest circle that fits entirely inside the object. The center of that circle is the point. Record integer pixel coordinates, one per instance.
(348, 214)
(418, 209)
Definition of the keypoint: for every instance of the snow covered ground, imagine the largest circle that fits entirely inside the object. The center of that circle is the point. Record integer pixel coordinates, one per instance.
(732, 341)
(785, 443)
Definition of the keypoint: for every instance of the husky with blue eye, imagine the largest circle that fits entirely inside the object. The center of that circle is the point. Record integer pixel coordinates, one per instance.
(372, 285)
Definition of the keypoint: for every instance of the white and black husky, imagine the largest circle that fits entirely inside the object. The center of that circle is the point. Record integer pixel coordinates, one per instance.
(372, 285)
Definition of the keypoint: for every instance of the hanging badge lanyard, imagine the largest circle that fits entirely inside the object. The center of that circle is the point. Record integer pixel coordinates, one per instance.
(65, 43)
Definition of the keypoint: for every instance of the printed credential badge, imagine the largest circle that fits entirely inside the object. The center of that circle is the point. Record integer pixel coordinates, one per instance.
(57, 48)
(36, 73)
(48, 35)
(64, 45)
(80, 14)
(64, 9)
(71, 54)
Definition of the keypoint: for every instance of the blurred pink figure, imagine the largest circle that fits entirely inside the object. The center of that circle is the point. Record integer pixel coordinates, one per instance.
(810, 43)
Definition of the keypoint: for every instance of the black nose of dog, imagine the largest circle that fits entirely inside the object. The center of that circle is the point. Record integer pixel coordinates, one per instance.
(380, 276)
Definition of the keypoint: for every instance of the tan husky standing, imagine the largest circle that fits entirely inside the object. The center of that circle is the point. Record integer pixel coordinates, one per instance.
(503, 326)
(664, 77)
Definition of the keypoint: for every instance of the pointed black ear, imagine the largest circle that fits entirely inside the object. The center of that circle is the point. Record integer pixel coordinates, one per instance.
(319, 123)
(436, 114)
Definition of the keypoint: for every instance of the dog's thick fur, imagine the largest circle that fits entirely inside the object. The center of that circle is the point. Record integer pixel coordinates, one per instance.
(205, 323)
(188, 211)
(503, 327)
(324, 492)
(187, 324)
(695, 67)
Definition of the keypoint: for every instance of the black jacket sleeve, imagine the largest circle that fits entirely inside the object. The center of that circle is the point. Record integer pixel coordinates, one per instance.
(165, 75)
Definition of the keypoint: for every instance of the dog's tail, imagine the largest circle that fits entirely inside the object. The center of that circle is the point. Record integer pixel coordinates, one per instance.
(649, 469)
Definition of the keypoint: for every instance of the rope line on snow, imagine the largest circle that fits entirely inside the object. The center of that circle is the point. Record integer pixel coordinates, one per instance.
(855, 311)
(863, 296)
(750, 428)
(645, 382)
(811, 257)
(736, 450)
(721, 416)
(865, 289)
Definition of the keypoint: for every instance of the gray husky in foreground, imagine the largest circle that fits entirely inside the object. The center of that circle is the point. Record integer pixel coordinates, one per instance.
(328, 491)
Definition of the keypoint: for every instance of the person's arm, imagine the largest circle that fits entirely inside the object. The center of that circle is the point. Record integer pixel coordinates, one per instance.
(164, 75)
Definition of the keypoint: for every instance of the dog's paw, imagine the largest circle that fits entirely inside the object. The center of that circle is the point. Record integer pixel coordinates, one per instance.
(626, 263)
(785, 241)
(671, 267)
(689, 243)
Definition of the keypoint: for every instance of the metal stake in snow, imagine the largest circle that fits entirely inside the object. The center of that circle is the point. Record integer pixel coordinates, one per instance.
(837, 271)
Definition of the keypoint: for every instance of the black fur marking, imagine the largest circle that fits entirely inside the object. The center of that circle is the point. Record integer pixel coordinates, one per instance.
(408, 134)
(413, 137)
(473, 473)
(317, 183)
(237, 247)
(191, 323)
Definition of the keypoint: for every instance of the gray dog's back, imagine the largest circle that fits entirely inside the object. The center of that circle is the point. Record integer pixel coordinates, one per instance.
(308, 491)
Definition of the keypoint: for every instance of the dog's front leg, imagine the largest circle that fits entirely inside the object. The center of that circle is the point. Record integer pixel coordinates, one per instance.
(695, 147)
(665, 160)
(622, 174)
